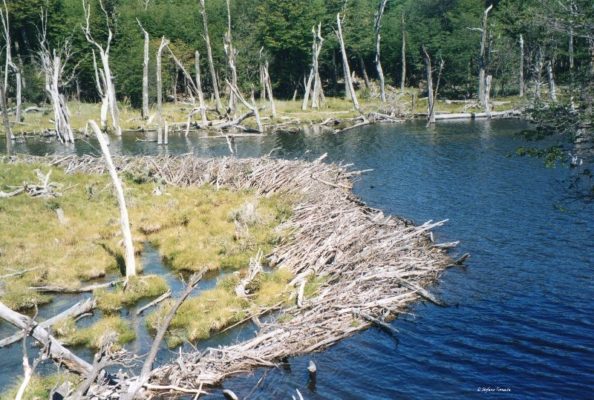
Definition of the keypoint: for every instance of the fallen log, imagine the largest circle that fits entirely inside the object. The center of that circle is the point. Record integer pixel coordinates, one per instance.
(70, 290)
(56, 351)
(79, 308)
(492, 114)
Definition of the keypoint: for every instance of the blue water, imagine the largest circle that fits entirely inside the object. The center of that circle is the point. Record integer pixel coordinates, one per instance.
(519, 319)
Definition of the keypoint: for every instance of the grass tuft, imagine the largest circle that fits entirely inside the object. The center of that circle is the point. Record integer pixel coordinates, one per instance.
(139, 287)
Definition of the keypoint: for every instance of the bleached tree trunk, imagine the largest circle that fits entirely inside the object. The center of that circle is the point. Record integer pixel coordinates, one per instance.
(307, 83)
(5, 120)
(160, 129)
(522, 85)
(53, 64)
(318, 90)
(378, 39)
(213, 75)
(9, 64)
(231, 54)
(268, 87)
(483, 55)
(552, 86)
(347, 70)
(403, 77)
(538, 66)
(199, 87)
(488, 81)
(252, 107)
(124, 220)
(109, 92)
(145, 73)
(430, 95)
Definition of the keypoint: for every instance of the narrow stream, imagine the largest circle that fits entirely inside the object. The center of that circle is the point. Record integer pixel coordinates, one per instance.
(519, 319)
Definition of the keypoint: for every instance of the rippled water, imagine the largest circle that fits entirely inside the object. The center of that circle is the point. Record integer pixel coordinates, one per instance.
(520, 314)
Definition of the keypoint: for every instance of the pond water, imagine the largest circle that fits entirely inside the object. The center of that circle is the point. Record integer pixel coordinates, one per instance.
(519, 316)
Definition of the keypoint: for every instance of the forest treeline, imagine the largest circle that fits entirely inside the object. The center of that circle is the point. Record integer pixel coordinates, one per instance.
(557, 37)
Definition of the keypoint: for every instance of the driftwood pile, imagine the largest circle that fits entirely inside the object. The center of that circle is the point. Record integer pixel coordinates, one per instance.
(371, 267)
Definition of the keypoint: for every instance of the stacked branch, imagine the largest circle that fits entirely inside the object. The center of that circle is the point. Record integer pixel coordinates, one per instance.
(373, 266)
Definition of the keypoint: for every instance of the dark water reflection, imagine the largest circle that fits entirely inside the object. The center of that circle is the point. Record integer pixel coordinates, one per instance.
(520, 315)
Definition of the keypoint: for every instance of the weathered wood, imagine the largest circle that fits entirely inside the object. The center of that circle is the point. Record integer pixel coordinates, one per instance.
(79, 308)
(231, 54)
(109, 93)
(201, 103)
(378, 38)
(552, 85)
(430, 94)
(145, 72)
(164, 43)
(347, 69)
(213, 75)
(58, 352)
(483, 55)
(521, 67)
(5, 120)
(403, 54)
(124, 220)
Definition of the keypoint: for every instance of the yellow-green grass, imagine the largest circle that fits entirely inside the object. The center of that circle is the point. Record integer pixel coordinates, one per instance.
(112, 330)
(39, 386)
(137, 288)
(193, 228)
(220, 307)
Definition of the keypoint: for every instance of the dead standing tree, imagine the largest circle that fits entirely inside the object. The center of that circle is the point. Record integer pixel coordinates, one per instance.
(484, 29)
(201, 103)
(162, 129)
(403, 77)
(5, 120)
(347, 70)
(266, 83)
(431, 93)
(103, 75)
(53, 64)
(314, 76)
(378, 39)
(9, 64)
(145, 72)
(213, 75)
(231, 54)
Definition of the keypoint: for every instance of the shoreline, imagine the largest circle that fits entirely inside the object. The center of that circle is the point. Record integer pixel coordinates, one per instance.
(372, 266)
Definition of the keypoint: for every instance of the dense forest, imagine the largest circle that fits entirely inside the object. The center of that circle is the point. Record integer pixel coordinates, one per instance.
(557, 39)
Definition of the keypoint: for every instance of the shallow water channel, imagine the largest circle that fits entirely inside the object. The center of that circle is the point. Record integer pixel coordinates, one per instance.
(519, 323)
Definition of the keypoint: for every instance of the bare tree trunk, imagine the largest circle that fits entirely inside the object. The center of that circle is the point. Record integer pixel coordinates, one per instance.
(200, 93)
(56, 350)
(160, 129)
(483, 55)
(124, 220)
(307, 85)
(109, 92)
(403, 77)
(364, 73)
(430, 95)
(10, 65)
(231, 56)
(268, 88)
(552, 86)
(347, 70)
(6, 121)
(213, 75)
(522, 85)
(318, 91)
(378, 39)
(538, 73)
(488, 81)
(145, 74)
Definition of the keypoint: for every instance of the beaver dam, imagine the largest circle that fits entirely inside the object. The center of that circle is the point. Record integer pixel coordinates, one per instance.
(294, 243)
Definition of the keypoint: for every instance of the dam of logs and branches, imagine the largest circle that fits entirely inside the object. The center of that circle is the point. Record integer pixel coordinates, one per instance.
(371, 268)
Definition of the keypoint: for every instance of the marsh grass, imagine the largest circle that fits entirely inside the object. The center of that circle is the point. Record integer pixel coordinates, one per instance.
(193, 228)
(94, 335)
(137, 288)
(218, 308)
(39, 386)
